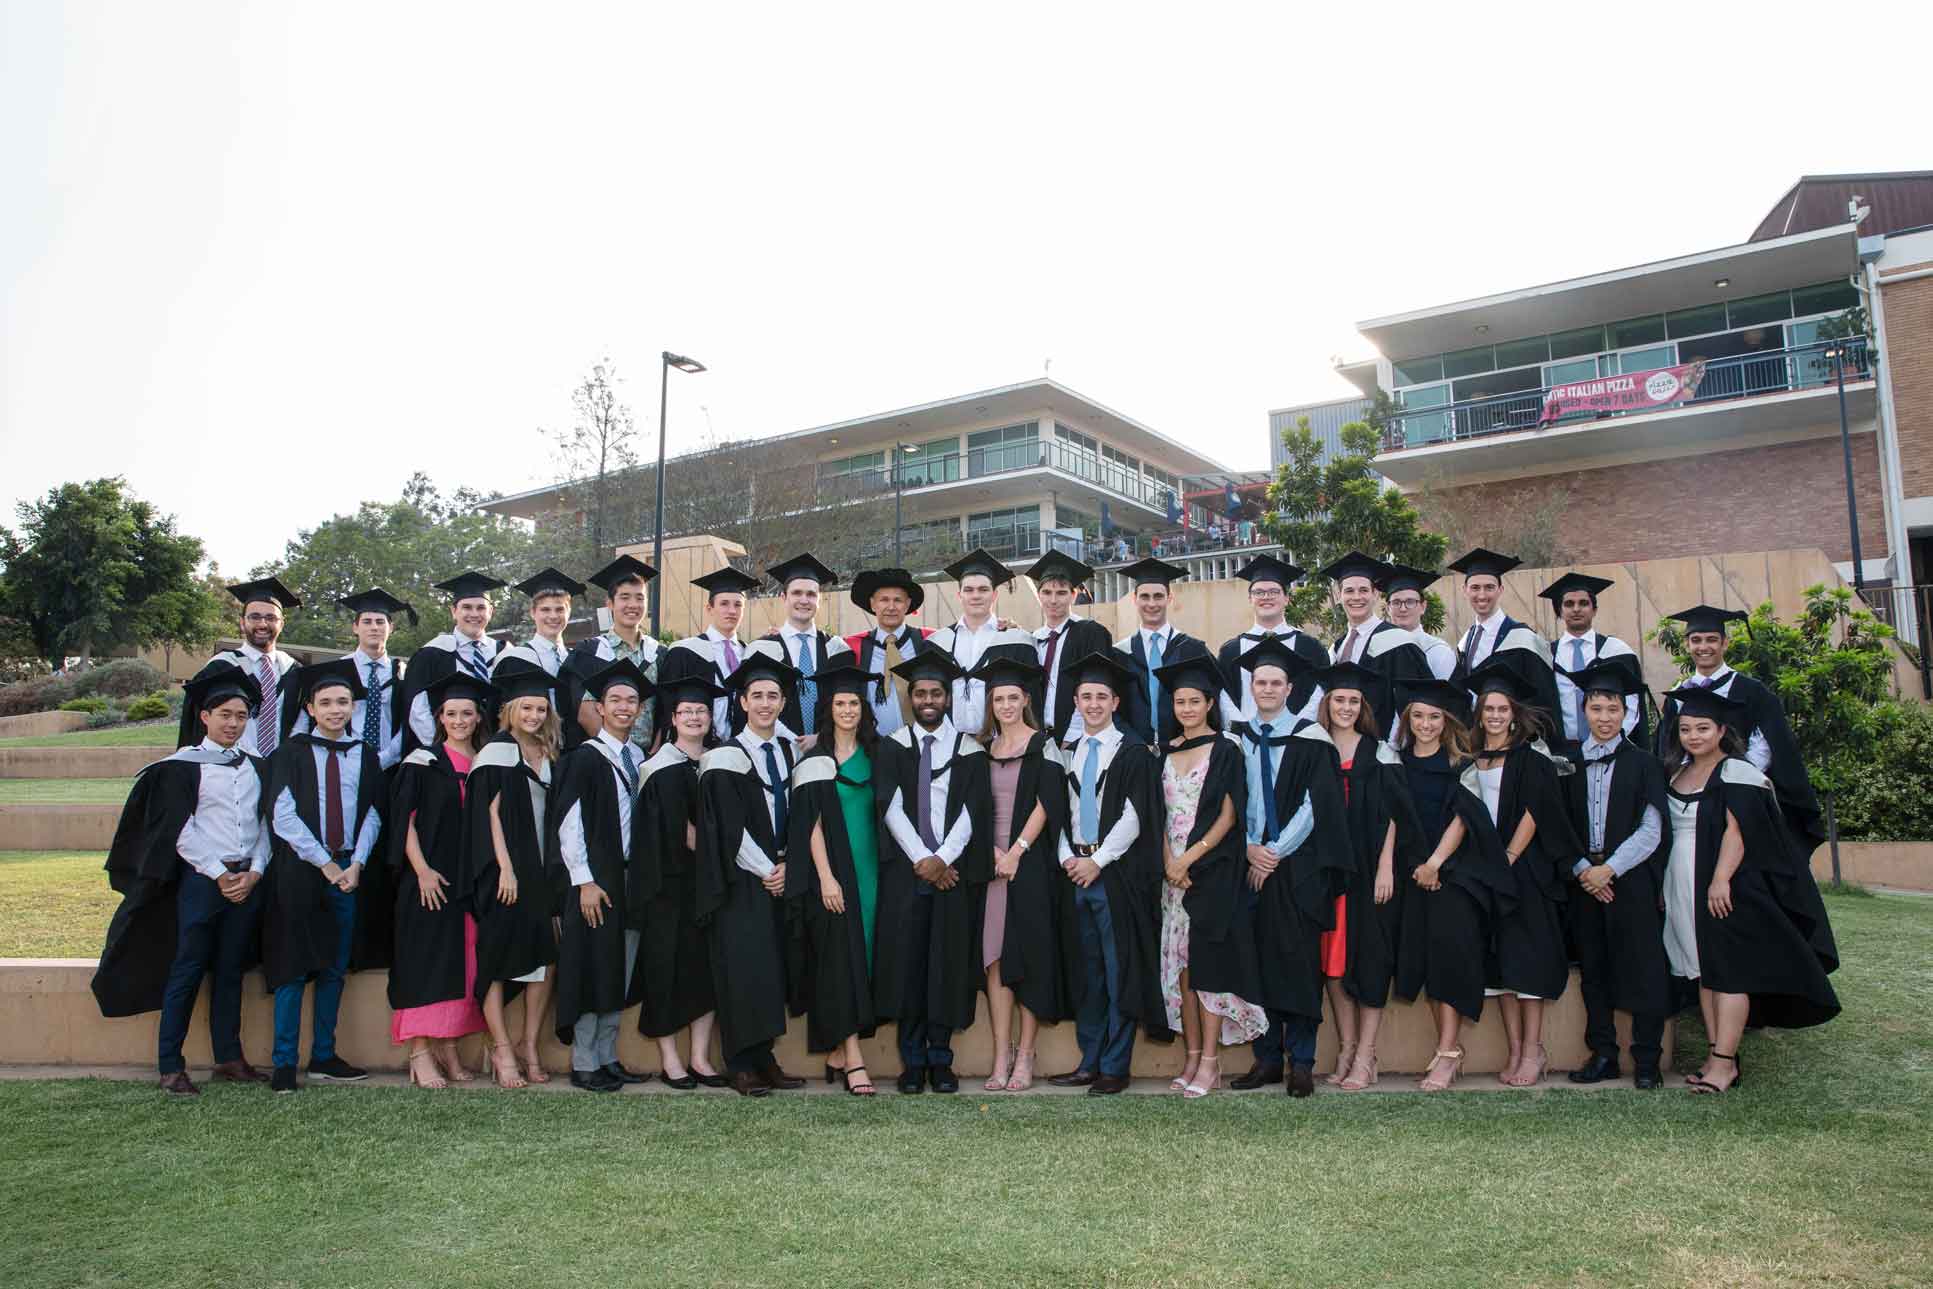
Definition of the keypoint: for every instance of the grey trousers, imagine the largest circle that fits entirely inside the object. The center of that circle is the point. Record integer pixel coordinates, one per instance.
(594, 1040)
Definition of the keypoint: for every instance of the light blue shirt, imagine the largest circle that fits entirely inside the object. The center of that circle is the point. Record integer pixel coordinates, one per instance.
(290, 828)
(1301, 823)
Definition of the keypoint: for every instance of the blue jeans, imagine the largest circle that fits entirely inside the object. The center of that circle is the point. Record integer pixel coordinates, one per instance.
(212, 934)
(925, 1044)
(328, 992)
(1106, 1036)
(1289, 1039)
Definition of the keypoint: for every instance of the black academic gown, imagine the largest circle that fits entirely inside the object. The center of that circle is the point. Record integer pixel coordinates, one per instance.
(512, 939)
(288, 704)
(951, 946)
(824, 649)
(1641, 732)
(674, 955)
(1446, 933)
(1132, 882)
(746, 928)
(298, 923)
(1079, 638)
(143, 867)
(1528, 954)
(1039, 952)
(1376, 796)
(590, 960)
(1133, 716)
(1764, 713)
(1776, 944)
(427, 666)
(697, 658)
(1222, 956)
(831, 970)
(428, 965)
(1297, 902)
(574, 675)
(1303, 646)
(1631, 926)
(1395, 656)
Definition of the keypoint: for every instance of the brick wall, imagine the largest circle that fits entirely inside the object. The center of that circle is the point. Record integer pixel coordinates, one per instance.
(1909, 348)
(1757, 499)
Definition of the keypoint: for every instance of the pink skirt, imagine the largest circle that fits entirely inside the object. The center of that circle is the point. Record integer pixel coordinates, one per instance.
(452, 1018)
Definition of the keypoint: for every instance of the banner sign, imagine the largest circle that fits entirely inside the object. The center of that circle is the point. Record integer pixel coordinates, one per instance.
(1638, 391)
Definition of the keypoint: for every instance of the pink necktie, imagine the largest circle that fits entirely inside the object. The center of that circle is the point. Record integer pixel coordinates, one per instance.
(265, 723)
(731, 656)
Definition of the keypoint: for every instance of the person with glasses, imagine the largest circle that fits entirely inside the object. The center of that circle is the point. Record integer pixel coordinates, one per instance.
(465, 647)
(1404, 595)
(263, 602)
(1269, 580)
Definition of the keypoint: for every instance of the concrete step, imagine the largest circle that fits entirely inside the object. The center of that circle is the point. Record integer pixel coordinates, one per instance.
(60, 827)
(38, 724)
(77, 762)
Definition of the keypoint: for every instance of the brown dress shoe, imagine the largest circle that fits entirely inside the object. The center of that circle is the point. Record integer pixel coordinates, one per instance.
(179, 1085)
(747, 1084)
(1302, 1081)
(239, 1071)
(1107, 1085)
(1073, 1079)
(778, 1080)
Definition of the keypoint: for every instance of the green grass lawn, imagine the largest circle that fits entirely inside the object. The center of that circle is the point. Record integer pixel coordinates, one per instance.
(1820, 1171)
(64, 792)
(144, 734)
(53, 904)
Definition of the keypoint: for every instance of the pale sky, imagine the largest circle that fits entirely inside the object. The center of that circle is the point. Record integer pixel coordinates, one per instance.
(232, 233)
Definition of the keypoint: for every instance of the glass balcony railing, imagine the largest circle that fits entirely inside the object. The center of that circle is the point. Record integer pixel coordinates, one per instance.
(924, 471)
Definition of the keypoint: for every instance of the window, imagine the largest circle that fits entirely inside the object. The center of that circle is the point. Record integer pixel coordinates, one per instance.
(1695, 322)
(1066, 516)
(1521, 353)
(1162, 477)
(1636, 331)
(1647, 359)
(1419, 371)
(1574, 344)
(1008, 533)
(1115, 454)
(854, 473)
(1469, 362)
(1011, 447)
(1066, 435)
(1828, 297)
(938, 461)
(1776, 307)
(1425, 428)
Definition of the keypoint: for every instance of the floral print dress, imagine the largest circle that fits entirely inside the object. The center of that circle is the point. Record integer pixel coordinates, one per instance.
(1242, 1022)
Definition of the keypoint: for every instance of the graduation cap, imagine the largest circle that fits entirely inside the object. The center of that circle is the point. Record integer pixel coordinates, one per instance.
(1608, 676)
(1705, 701)
(266, 588)
(517, 678)
(804, 566)
(377, 600)
(1008, 664)
(1492, 677)
(1557, 590)
(1273, 653)
(621, 570)
(1060, 566)
(726, 581)
(1103, 667)
(1153, 572)
(1200, 673)
(874, 579)
(549, 581)
(621, 672)
(465, 586)
(763, 660)
(1355, 564)
(844, 677)
(1401, 577)
(1267, 568)
(461, 684)
(1480, 561)
(930, 664)
(325, 675)
(1440, 694)
(1704, 617)
(218, 682)
(1349, 675)
(978, 561)
(693, 689)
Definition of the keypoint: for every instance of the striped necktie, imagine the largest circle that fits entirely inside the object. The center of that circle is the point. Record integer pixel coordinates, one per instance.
(470, 654)
(268, 731)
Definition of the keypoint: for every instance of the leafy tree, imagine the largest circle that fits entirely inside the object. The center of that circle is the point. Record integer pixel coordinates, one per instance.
(1320, 511)
(94, 568)
(594, 451)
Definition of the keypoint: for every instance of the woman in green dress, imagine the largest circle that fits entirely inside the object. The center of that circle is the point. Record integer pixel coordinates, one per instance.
(837, 810)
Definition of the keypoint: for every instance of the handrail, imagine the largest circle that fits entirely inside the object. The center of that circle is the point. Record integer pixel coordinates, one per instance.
(1006, 458)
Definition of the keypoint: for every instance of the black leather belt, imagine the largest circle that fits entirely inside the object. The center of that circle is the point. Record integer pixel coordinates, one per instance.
(1082, 851)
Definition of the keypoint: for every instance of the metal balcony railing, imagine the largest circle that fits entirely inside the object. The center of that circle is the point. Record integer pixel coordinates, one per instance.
(1771, 371)
(925, 471)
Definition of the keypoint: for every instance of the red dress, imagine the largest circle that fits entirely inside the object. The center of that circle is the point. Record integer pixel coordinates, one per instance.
(1335, 946)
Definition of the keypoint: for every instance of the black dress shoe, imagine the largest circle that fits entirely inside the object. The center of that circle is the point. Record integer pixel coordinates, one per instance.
(1302, 1080)
(712, 1080)
(912, 1079)
(1646, 1078)
(594, 1081)
(1258, 1076)
(283, 1080)
(1107, 1085)
(1599, 1069)
(238, 1071)
(336, 1070)
(943, 1078)
(748, 1084)
(778, 1080)
(178, 1084)
(684, 1084)
(617, 1071)
(1073, 1079)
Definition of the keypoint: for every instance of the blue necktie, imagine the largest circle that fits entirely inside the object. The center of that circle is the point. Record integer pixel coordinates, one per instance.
(1154, 685)
(1090, 805)
(808, 689)
(777, 788)
(628, 762)
(372, 719)
(1577, 665)
(1269, 828)
(473, 661)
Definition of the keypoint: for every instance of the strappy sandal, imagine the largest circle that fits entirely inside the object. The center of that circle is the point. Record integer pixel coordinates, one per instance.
(1345, 1062)
(1701, 1087)
(1002, 1067)
(1180, 1082)
(433, 1080)
(864, 1090)
(1023, 1072)
(533, 1066)
(1195, 1091)
(452, 1062)
(1543, 1064)
(1454, 1055)
(1359, 1079)
(501, 1055)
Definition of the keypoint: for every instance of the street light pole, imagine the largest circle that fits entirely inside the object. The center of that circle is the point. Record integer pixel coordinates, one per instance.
(899, 488)
(1838, 355)
(669, 360)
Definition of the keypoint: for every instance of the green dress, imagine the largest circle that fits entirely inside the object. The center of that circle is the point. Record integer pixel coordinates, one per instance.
(855, 781)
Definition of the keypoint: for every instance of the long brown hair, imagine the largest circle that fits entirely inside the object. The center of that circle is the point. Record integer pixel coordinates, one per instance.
(1027, 716)
(1365, 716)
(1456, 735)
(1526, 722)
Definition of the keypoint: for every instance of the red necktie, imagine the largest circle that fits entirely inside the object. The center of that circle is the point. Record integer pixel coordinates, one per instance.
(1053, 643)
(332, 828)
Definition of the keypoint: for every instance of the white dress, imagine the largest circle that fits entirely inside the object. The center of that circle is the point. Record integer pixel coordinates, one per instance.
(1681, 888)
(1491, 781)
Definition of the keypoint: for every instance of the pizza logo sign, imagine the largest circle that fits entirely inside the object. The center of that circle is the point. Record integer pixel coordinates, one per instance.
(1662, 386)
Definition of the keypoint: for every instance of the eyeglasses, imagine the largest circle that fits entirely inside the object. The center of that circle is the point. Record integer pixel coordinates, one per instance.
(1406, 602)
(1264, 593)
(263, 619)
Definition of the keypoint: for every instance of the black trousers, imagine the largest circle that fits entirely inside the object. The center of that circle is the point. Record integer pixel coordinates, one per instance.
(750, 1060)
(1595, 969)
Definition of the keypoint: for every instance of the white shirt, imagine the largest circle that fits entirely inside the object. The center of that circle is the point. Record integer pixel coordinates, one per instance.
(249, 659)
(309, 847)
(227, 822)
(885, 703)
(1364, 629)
(570, 832)
(1128, 827)
(954, 843)
(1569, 700)
(966, 644)
(1292, 834)
(550, 653)
(389, 748)
(751, 856)
(421, 723)
(1491, 782)
(1052, 695)
(1757, 750)
(1486, 638)
(1245, 710)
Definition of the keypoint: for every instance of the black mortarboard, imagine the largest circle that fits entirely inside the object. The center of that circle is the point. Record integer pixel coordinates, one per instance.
(1706, 702)
(516, 678)
(218, 682)
(1273, 653)
(265, 588)
(548, 581)
(1267, 568)
(978, 561)
(844, 677)
(1704, 617)
(763, 660)
(929, 664)
(466, 586)
(1481, 561)
(1440, 694)
(322, 675)
(786, 572)
(1153, 572)
(1493, 676)
(1202, 673)
(726, 580)
(874, 579)
(1013, 664)
(460, 684)
(691, 689)
(1401, 577)
(1104, 667)
(1061, 565)
(377, 600)
(624, 568)
(1608, 675)
(1556, 591)
(1355, 564)
(621, 672)
(1350, 675)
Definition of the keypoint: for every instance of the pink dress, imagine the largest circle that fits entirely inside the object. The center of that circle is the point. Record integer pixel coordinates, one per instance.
(454, 1017)
(993, 934)
(1242, 1022)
